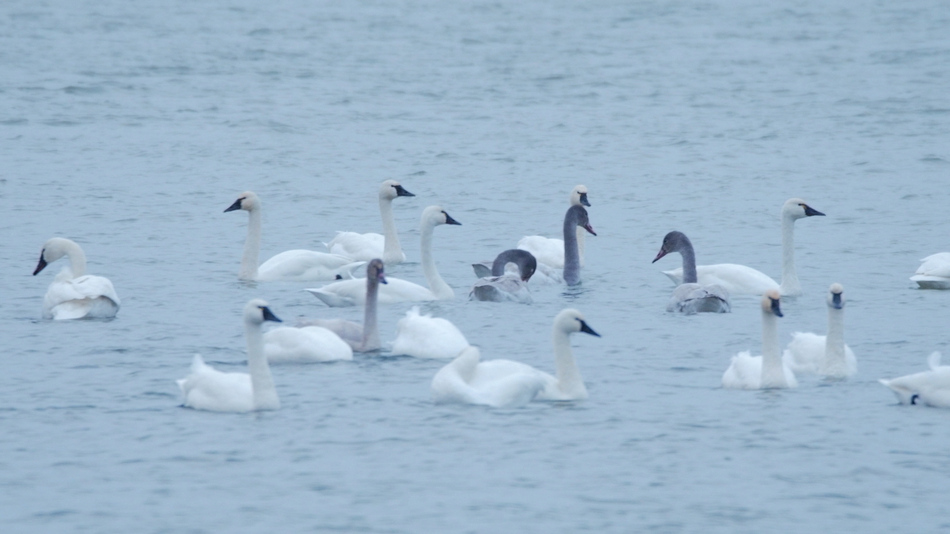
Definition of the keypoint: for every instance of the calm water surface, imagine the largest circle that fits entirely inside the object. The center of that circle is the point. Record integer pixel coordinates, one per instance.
(130, 128)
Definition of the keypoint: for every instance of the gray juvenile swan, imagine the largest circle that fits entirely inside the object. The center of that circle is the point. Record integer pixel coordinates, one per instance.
(360, 337)
(691, 297)
(550, 251)
(497, 286)
(576, 217)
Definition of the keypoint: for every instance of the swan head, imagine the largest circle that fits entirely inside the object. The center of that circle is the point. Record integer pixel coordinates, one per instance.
(256, 312)
(54, 249)
(673, 242)
(796, 208)
(771, 303)
(570, 321)
(375, 271)
(836, 296)
(435, 215)
(247, 201)
(579, 196)
(580, 216)
(392, 189)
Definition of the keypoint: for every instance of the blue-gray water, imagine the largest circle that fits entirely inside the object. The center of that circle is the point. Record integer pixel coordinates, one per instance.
(130, 127)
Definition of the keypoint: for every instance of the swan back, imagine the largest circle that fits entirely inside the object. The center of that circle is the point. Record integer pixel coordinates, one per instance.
(424, 336)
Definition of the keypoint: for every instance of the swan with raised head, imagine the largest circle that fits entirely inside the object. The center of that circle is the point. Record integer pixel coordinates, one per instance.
(691, 297)
(499, 286)
(365, 247)
(209, 389)
(576, 217)
(766, 371)
(424, 336)
(931, 388)
(293, 265)
(353, 292)
(742, 280)
(823, 355)
(73, 294)
(550, 251)
(361, 337)
(507, 383)
(934, 272)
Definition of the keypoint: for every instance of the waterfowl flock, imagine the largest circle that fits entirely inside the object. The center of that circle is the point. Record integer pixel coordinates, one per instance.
(468, 379)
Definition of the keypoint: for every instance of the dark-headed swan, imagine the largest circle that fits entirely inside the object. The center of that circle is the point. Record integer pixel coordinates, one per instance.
(691, 297)
(498, 286)
(550, 251)
(361, 337)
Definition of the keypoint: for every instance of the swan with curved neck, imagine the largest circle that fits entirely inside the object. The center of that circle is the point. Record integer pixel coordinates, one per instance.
(300, 265)
(934, 272)
(575, 218)
(507, 383)
(550, 251)
(929, 388)
(499, 286)
(365, 247)
(823, 355)
(690, 296)
(208, 389)
(361, 337)
(353, 292)
(766, 371)
(73, 294)
(739, 279)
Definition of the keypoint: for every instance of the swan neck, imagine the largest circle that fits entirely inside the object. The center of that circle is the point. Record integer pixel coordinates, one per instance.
(572, 264)
(569, 379)
(392, 251)
(689, 264)
(436, 284)
(580, 232)
(773, 374)
(370, 339)
(77, 259)
(262, 384)
(790, 283)
(252, 246)
(834, 343)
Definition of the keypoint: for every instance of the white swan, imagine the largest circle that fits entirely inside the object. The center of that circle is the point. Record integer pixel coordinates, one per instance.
(823, 355)
(691, 297)
(307, 344)
(353, 292)
(766, 371)
(934, 272)
(550, 251)
(931, 388)
(742, 280)
(365, 247)
(424, 336)
(296, 265)
(499, 286)
(73, 294)
(361, 337)
(208, 389)
(505, 383)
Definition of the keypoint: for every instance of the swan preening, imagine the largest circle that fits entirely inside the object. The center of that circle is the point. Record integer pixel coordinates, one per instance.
(299, 265)
(498, 286)
(73, 294)
(550, 251)
(742, 280)
(823, 355)
(361, 337)
(208, 389)
(931, 388)
(691, 297)
(934, 272)
(766, 371)
(507, 383)
(424, 336)
(353, 292)
(365, 247)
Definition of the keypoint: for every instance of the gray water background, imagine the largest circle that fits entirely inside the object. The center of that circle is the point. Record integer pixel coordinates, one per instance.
(130, 126)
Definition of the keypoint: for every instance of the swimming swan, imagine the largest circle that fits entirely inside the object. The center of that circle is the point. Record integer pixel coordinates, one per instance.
(550, 251)
(499, 286)
(208, 389)
(742, 280)
(766, 371)
(576, 217)
(360, 337)
(507, 383)
(298, 265)
(934, 272)
(424, 336)
(823, 355)
(691, 297)
(928, 387)
(365, 247)
(73, 294)
(353, 292)
(306, 344)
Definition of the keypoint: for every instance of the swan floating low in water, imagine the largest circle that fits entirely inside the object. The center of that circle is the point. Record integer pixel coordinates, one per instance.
(742, 280)
(292, 265)
(306, 344)
(691, 297)
(550, 251)
(766, 371)
(365, 247)
(934, 272)
(208, 389)
(931, 388)
(424, 336)
(353, 292)
(499, 286)
(507, 383)
(823, 355)
(361, 337)
(73, 294)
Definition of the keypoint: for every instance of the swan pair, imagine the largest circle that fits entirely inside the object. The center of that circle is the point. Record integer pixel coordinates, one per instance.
(365, 247)
(691, 297)
(550, 251)
(507, 383)
(498, 286)
(934, 272)
(73, 294)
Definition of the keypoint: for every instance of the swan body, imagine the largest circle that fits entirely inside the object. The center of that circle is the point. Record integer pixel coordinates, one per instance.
(365, 247)
(742, 280)
(73, 294)
(823, 355)
(361, 337)
(353, 292)
(500, 286)
(550, 251)
(305, 345)
(934, 272)
(507, 383)
(931, 388)
(292, 265)
(424, 336)
(206, 388)
(766, 371)
(691, 297)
